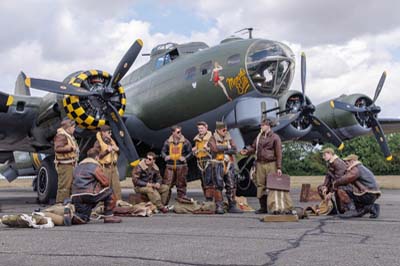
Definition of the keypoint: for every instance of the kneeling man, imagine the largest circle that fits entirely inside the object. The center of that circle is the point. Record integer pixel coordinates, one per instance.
(365, 188)
(147, 180)
(91, 186)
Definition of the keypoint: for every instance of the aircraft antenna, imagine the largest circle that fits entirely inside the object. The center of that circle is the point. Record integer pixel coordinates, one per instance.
(249, 30)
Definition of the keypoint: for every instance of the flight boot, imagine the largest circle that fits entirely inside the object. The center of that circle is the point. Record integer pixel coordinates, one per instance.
(374, 211)
(263, 205)
(232, 208)
(112, 219)
(209, 193)
(352, 212)
(218, 202)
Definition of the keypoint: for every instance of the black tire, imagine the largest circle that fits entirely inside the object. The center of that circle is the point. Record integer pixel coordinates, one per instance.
(245, 187)
(47, 180)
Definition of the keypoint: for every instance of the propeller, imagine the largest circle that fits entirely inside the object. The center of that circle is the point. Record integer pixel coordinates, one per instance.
(5, 101)
(368, 115)
(306, 113)
(105, 94)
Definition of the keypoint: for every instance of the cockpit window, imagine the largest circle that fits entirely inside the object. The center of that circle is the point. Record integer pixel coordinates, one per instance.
(233, 59)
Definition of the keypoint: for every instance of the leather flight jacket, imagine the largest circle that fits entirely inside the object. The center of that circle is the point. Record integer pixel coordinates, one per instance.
(175, 150)
(65, 147)
(89, 177)
(107, 158)
(142, 174)
(268, 148)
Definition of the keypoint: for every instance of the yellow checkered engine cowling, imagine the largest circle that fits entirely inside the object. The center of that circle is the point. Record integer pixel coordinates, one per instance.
(88, 112)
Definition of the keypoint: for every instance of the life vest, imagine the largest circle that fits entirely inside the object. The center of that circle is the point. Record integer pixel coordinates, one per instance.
(220, 156)
(69, 156)
(112, 156)
(175, 149)
(201, 144)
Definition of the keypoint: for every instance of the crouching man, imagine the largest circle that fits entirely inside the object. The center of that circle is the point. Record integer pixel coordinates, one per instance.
(91, 186)
(365, 189)
(147, 180)
(336, 169)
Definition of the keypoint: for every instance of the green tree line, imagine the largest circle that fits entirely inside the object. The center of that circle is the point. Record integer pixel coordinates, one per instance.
(304, 159)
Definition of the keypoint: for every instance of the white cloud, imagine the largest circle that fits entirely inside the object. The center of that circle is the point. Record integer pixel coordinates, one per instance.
(348, 43)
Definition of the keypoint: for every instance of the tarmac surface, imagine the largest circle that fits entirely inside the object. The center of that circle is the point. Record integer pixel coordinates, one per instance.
(229, 239)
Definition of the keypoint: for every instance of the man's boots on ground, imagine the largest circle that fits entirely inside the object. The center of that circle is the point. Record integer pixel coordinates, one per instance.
(352, 212)
(232, 208)
(209, 193)
(218, 202)
(374, 211)
(112, 219)
(263, 205)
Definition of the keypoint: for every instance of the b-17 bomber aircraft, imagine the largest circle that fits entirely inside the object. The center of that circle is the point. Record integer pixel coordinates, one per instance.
(234, 81)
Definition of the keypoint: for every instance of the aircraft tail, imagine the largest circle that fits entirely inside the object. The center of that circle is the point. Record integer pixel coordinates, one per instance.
(20, 86)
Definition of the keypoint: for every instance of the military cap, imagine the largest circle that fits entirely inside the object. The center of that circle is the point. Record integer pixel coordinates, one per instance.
(202, 123)
(105, 128)
(351, 157)
(328, 150)
(267, 122)
(220, 125)
(66, 123)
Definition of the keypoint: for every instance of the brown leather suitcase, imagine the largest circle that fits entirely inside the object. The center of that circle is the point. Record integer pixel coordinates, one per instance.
(276, 182)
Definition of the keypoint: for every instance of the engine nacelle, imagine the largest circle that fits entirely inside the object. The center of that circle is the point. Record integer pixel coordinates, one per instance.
(346, 124)
(291, 102)
(89, 112)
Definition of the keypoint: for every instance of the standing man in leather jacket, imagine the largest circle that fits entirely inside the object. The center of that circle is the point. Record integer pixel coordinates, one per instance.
(66, 157)
(223, 149)
(147, 181)
(90, 187)
(176, 151)
(365, 188)
(268, 149)
(108, 158)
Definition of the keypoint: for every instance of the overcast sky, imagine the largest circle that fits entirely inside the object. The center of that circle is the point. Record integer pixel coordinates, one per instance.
(348, 43)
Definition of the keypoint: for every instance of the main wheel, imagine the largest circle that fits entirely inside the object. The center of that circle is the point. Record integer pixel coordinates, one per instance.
(47, 180)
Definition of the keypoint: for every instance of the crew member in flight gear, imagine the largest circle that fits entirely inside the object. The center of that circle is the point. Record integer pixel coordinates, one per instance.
(268, 149)
(365, 189)
(203, 156)
(176, 151)
(90, 187)
(147, 181)
(223, 150)
(66, 157)
(336, 169)
(108, 158)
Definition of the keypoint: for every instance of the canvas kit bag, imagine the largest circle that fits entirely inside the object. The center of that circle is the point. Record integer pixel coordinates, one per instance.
(279, 200)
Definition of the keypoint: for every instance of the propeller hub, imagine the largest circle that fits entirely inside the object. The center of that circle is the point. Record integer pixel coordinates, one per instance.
(90, 111)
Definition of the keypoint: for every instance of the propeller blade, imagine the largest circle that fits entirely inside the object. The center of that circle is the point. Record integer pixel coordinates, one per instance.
(346, 107)
(126, 62)
(326, 132)
(5, 101)
(379, 87)
(303, 76)
(285, 120)
(380, 137)
(56, 87)
(122, 135)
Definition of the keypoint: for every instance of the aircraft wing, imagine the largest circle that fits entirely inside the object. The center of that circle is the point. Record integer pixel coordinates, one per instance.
(27, 122)
(390, 125)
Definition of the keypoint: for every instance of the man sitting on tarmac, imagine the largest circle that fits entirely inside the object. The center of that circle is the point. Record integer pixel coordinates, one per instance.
(365, 189)
(147, 180)
(91, 186)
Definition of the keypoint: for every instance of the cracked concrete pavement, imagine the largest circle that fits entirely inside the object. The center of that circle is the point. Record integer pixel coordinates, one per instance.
(230, 239)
